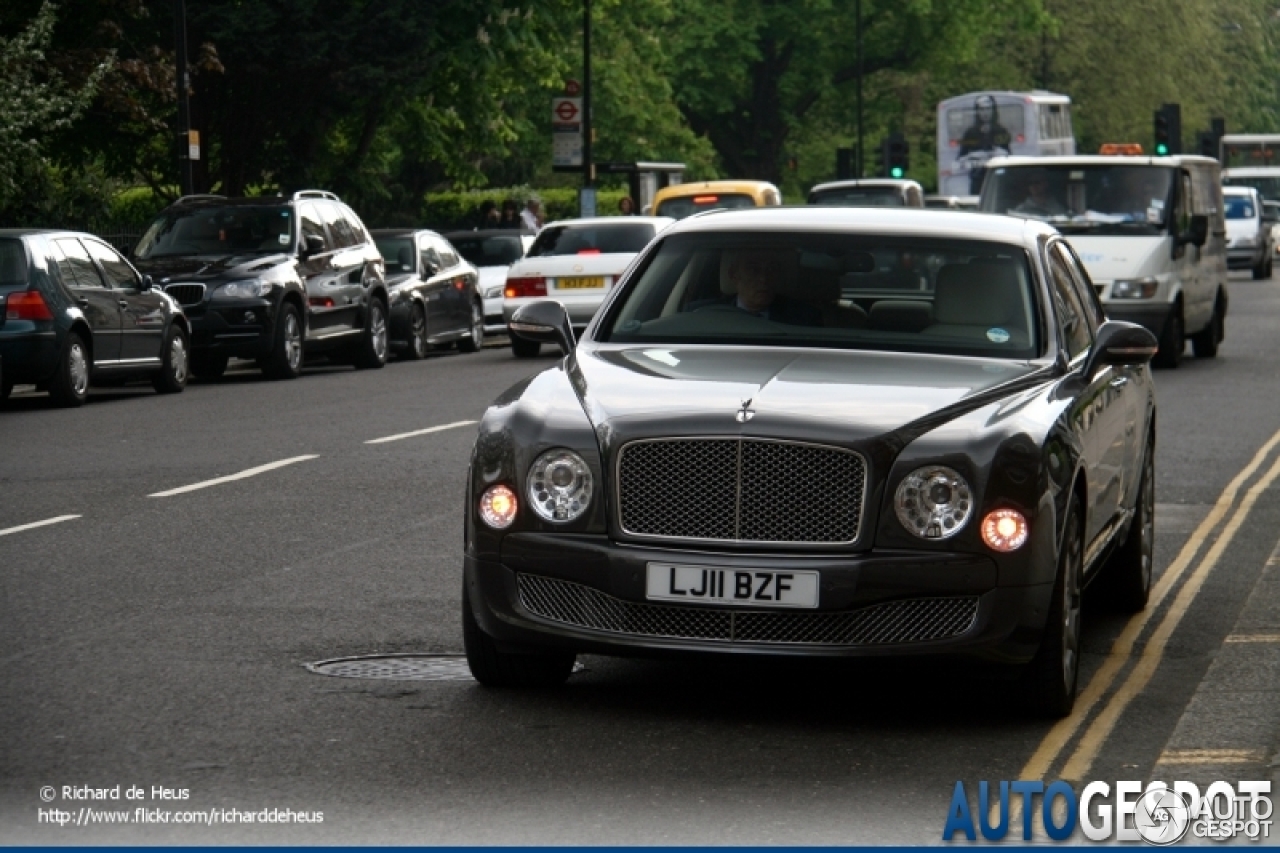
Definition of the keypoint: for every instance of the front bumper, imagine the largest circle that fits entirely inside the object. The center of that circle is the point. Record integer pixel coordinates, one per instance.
(1245, 257)
(244, 328)
(588, 594)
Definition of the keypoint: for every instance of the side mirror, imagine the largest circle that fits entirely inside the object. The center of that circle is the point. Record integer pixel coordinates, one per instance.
(430, 268)
(1119, 342)
(314, 244)
(147, 283)
(545, 322)
(1197, 232)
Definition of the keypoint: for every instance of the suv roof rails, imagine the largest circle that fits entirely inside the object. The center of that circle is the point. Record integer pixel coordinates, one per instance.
(198, 197)
(315, 194)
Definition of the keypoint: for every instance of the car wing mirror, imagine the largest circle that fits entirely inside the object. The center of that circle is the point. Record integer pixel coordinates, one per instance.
(1119, 342)
(314, 244)
(1197, 232)
(544, 322)
(147, 282)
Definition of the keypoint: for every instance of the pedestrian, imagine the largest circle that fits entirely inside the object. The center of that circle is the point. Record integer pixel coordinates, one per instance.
(531, 216)
(488, 214)
(626, 206)
(510, 215)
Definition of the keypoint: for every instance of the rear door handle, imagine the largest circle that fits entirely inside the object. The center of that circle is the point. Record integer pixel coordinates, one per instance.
(123, 303)
(1119, 382)
(82, 302)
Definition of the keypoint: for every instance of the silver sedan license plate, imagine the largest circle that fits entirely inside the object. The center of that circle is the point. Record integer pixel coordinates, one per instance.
(742, 587)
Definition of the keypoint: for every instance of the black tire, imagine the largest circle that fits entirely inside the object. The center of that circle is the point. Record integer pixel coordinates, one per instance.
(6, 388)
(205, 365)
(371, 352)
(494, 668)
(475, 337)
(69, 387)
(1205, 343)
(1270, 263)
(1051, 677)
(1173, 342)
(1260, 271)
(285, 359)
(1129, 569)
(172, 377)
(418, 346)
(522, 348)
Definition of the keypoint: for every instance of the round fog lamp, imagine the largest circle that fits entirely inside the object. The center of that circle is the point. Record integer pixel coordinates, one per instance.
(1004, 530)
(498, 507)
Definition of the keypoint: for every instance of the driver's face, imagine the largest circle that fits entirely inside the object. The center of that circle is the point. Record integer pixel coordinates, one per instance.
(756, 278)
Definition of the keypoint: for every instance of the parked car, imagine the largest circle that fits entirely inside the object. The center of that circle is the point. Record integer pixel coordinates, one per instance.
(434, 299)
(709, 476)
(1249, 242)
(74, 312)
(681, 200)
(492, 252)
(868, 192)
(575, 261)
(270, 278)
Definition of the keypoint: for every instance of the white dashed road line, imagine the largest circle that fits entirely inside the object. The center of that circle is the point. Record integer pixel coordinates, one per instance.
(47, 521)
(418, 432)
(218, 481)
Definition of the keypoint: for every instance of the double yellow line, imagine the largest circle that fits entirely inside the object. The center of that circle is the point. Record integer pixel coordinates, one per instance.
(1101, 724)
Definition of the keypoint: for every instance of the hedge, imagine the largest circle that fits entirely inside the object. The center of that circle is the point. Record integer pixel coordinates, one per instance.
(452, 210)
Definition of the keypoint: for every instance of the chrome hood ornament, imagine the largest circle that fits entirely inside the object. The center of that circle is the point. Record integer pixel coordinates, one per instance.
(746, 413)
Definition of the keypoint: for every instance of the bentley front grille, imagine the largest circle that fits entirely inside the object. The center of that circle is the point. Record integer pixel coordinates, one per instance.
(740, 490)
(912, 620)
(186, 294)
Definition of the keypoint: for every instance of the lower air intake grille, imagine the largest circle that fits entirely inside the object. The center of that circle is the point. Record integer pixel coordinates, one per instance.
(911, 620)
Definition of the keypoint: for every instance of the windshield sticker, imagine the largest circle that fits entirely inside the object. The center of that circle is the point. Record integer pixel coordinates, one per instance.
(1154, 214)
(1157, 203)
(284, 239)
(998, 336)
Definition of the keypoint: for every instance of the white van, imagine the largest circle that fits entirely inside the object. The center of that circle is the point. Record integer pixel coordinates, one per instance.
(1150, 231)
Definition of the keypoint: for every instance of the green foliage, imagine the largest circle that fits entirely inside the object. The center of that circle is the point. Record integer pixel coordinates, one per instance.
(445, 211)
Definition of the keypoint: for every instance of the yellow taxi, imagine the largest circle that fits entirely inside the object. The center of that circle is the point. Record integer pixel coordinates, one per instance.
(684, 200)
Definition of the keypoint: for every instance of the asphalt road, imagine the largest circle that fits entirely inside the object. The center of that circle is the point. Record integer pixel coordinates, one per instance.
(161, 641)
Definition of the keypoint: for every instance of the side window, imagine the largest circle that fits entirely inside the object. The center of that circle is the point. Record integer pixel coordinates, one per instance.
(432, 263)
(358, 230)
(76, 267)
(339, 227)
(118, 271)
(1076, 336)
(1093, 310)
(1184, 202)
(448, 257)
(311, 224)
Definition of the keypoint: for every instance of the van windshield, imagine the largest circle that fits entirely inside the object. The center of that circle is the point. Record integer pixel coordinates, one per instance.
(1076, 198)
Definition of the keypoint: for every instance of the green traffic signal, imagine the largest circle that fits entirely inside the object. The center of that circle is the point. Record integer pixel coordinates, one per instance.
(1162, 149)
(896, 172)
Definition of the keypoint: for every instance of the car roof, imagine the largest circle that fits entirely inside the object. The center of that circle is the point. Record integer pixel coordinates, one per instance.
(1240, 191)
(400, 232)
(934, 222)
(898, 183)
(1251, 172)
(1099, 160)
(487, 232)
(656, 221)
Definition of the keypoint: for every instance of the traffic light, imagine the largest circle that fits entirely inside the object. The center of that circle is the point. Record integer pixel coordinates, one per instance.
(882, 157)
(844, 164)
(1168, 130)
(896, 155)
(1207, 144)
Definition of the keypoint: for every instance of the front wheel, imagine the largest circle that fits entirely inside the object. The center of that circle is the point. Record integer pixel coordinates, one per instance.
(494, 668)
(417, 334)
(172, 377)
(285, 358)
(69, 387)
(1173, 342)
(1205, 343)
(475, 335)
(1050, 679)
(371, 352)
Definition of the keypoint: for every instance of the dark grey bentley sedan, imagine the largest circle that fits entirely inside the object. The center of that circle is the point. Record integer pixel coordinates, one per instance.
(824, 433)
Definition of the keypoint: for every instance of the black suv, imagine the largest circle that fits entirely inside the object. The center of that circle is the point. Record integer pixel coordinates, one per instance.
(269, 277)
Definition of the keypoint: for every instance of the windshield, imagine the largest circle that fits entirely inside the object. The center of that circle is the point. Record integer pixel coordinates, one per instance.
(1239, 207)
(397, 254)
(858, 197)
(688, 205)
(218, 231)
(906, 294)
(1268, 188)
(499, 251)
(1105, 199)
(592, 239)
(13, 266)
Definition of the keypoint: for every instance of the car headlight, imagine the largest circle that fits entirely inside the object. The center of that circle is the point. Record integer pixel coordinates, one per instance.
(933, 502)
(560, 485)
(1138, 288)
(493, 292)
(250, 288)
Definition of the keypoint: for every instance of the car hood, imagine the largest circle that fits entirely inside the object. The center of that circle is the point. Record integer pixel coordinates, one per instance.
(202, 267)
(841, 396)
(1108, 258)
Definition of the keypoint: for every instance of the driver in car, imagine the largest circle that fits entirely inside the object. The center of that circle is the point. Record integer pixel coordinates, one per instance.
(754, 277)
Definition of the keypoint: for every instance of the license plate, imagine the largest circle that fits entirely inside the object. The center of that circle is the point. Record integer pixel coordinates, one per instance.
(580, 283)
(742, 587)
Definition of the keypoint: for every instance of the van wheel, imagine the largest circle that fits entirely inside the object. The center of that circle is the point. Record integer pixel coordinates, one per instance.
(1260, 270)
(1173, 342)
(1205, 343)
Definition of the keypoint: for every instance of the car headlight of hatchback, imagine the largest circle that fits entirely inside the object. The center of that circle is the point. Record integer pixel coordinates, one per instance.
(493, 292)
(934, 502)
(249, 288)
(560, 485)
(1137, 288)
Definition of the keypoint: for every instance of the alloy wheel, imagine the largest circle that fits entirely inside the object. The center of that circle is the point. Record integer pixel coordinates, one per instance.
(78, 366)
(292, 341)
(178, 360)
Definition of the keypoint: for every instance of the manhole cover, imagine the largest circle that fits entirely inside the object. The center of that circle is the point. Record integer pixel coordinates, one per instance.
(397, 667)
